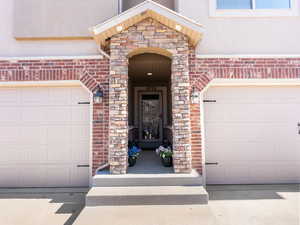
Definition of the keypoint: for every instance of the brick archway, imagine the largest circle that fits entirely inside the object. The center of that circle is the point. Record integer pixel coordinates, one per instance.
(149, 34)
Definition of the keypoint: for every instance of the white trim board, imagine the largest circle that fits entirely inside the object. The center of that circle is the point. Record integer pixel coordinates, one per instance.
(58, 83)
(254, 82)
(17, 58)
(208, 56)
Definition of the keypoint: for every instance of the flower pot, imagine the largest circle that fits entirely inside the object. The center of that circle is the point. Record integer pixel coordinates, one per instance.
(131, 161)
(167, 161)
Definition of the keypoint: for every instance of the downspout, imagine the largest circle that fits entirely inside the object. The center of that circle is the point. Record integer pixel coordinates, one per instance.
(105, 165)
(120, 6)
(103, 52)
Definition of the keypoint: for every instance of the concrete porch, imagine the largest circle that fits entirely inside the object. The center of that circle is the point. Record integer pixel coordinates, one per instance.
(147, 183)
(149, 163)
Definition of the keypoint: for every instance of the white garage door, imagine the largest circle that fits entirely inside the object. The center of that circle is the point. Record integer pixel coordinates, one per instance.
(44, 135)
(252, 134)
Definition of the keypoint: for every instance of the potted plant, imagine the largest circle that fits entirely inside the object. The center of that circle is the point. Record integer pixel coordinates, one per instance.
(165, 154)
(133, 154)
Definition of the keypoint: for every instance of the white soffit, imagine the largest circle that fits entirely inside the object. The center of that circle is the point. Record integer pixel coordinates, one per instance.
(145, 10)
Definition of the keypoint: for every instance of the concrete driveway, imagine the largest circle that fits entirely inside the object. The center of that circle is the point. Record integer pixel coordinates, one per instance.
(41, 206)
(255, 204)
(228, 205)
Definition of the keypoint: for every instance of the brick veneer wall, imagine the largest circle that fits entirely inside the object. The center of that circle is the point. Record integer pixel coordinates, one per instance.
(90, 72)
(96, 71)
(149, 34)
(203, 70)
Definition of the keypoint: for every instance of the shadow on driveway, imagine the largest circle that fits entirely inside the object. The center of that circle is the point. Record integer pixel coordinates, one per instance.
(65, 201)
(249, 192)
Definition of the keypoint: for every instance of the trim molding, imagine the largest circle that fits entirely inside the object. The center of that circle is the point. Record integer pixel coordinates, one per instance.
(17, 58)
(209, 56)
(54, 38)
(56, 83)
(254, 82)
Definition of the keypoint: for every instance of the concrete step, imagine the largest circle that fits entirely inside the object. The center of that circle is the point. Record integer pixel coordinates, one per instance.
(146, 195)
(164, 179)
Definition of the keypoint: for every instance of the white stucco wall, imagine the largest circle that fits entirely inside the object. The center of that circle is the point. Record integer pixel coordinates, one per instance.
(10, 47)
(277, 35)
(273, 35)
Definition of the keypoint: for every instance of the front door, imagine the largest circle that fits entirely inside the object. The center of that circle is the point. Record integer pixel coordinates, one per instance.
(150, 119)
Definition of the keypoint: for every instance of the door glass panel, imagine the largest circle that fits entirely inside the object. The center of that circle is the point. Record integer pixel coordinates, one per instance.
(150, 117)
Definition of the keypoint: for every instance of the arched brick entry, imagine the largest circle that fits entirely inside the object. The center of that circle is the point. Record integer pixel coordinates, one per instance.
(149, 34)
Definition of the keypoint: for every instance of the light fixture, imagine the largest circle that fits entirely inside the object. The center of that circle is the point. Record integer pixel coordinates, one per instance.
(178, 27)
(119, 28)
(98, 95)
(149, 74)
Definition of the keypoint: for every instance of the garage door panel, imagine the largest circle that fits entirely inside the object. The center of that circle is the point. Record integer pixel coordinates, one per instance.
(252, 133)
(34, 155)
(60, 97)
(33, 135)
(32, 114)
(215, 174)
(9, 114)
(9, 96)
(33, 176)
(58, 133)
(9, 133)
(77, 177)
(37, 144)
(11, 154)
(34, 96)
(58, 152)
(80, 132)
(80, 113)
(239, 151)
(58, 114)
(240, 131)
(79, 95)
(9, 176)
(78, 155)
(59, 175)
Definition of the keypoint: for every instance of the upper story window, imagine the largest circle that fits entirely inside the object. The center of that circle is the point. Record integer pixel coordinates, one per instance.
(253, 4)
(260, 8)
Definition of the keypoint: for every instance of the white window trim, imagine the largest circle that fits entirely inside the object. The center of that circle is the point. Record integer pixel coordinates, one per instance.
(214, 12)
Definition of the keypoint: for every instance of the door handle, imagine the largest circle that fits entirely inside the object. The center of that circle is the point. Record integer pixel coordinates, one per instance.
(83, 166)
(214, 163)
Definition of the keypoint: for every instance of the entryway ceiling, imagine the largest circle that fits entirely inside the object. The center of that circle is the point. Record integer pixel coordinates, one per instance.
(140, 65)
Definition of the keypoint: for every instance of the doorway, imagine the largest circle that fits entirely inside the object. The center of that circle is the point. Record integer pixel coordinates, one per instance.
(151, 119)
(149, 108)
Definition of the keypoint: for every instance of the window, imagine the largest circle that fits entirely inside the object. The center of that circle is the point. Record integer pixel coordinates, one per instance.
(260, 8)
(234, 4)
(253, 4)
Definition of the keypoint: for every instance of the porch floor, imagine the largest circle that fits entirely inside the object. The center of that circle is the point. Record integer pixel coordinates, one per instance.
(149, 163)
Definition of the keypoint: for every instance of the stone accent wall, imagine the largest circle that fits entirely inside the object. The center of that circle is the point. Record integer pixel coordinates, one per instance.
(91, 72)
(203, 70)
(152, 35)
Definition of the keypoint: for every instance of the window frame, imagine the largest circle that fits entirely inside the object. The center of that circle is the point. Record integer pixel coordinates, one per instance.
(254, 12)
